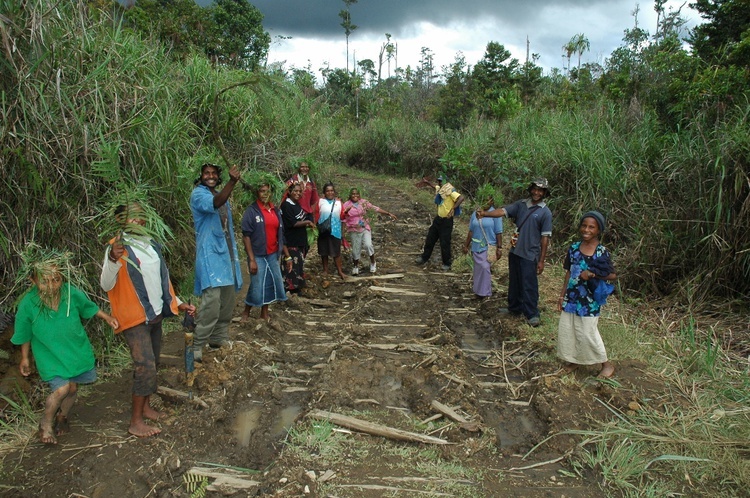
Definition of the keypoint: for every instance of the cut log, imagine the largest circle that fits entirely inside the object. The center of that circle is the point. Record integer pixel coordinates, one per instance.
(181, 395)
(374, 429)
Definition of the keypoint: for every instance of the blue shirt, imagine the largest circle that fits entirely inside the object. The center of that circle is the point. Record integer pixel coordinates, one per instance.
(215, 265)
(484, 233)
(535, 221)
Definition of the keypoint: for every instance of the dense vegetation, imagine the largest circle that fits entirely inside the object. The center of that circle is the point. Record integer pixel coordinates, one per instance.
(96, 97)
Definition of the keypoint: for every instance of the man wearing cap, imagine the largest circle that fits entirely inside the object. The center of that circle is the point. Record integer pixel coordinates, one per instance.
(447, 200)
(533, 221)
(217, 267)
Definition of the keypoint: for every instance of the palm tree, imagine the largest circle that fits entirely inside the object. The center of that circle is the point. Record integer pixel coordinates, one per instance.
(346, 23)
(580, 45)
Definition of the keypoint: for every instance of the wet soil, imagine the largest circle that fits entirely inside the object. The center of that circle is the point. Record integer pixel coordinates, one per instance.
(379, 347)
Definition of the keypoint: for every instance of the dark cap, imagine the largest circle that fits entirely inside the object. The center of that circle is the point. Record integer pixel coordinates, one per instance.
(599, 217)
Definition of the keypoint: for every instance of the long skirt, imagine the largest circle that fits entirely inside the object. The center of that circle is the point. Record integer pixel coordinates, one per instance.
(579, 341)
(295, 279)
(266, 286)
(482, 285)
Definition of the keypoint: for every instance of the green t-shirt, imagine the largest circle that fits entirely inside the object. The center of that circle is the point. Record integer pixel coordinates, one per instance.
(59, 342)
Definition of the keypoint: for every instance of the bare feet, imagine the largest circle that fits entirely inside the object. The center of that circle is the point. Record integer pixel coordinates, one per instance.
(142, 429)
(46, 434)
(61, 425)
(608, 370)
(151, 414)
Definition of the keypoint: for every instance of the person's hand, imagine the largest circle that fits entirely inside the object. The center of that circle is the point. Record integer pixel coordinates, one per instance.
(465, 249)
(252, 267)
(112, 321)
(560, 303)
(499, 251)
(189, 308)
(311, 224)
(540, 267)
(116, 250)
(393, 216)
(25, 367)
(480, 214)
(587, 275)
(288, 262)
(234, 173)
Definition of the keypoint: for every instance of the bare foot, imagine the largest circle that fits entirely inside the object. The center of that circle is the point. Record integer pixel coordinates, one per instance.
(570, 368)
(46, 435)
(608, 370)
(142, 429)
(61, 425)
(151, 414)
(341, 274)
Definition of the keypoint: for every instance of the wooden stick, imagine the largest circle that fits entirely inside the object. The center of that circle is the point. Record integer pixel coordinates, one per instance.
(451, 414)
(396, 291)
(181, 395)
(374, 429)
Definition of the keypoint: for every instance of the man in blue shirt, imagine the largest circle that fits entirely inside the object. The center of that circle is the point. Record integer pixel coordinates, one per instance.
(528, 250)
(217, 267)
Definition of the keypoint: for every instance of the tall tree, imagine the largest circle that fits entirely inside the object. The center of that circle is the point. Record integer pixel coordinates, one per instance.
(243, 42)
(726, 31)
(349, 27)
(580, 44)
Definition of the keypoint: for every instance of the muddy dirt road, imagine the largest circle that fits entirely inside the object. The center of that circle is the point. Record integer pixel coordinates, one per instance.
(394, 348)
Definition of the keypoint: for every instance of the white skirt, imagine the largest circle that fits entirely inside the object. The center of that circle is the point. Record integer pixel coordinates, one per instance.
(579, 341)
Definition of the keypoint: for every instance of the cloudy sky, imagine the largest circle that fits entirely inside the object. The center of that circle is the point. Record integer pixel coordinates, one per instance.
(449, 26)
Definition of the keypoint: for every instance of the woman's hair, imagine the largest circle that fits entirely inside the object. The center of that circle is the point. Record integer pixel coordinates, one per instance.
(329, 184)
(354, 190)
(292, 185)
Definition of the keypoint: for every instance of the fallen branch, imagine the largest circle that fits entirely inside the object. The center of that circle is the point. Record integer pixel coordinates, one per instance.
(451, 414)
(180, 395)
(374, 429)
(225, 478)
(539, 464)
(392, 488)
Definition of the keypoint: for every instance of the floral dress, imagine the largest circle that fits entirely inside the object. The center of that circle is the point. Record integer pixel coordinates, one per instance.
(586, 297)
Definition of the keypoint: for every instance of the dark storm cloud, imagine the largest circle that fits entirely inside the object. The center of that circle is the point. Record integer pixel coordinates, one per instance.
(319, 18)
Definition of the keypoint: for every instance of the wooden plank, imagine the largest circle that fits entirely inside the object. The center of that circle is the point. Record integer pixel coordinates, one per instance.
(396, 291)
(451, 414)
(374, 429)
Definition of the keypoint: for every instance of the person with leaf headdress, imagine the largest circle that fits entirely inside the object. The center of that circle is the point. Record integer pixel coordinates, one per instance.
(48, 324)
(310, 197)
(485, 239)
(263, 237)
(136, 280)
(217, 266)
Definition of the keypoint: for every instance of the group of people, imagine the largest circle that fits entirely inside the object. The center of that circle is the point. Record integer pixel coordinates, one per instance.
(276, 240)
(589, 271)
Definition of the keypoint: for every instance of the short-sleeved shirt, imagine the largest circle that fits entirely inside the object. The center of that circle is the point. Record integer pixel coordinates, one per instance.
(484, 232)
(444, 208)
(59, 342)
(535, 221)
(331, 209)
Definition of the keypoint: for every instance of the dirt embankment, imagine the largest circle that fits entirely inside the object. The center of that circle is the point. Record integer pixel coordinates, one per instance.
(393, 348)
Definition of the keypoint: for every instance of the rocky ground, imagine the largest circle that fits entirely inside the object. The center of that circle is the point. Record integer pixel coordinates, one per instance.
(407, 348)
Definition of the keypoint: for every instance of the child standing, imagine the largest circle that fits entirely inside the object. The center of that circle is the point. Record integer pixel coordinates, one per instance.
(48, 322)
(359, 229)
(589, 271)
